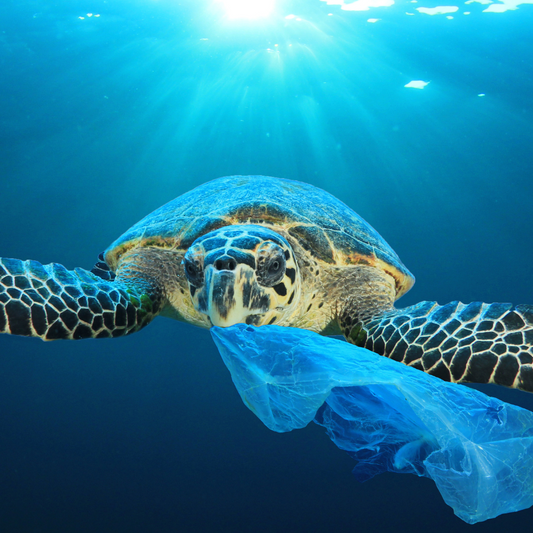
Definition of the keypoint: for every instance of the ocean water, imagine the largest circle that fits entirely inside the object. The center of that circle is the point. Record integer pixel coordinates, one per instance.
(109, 109)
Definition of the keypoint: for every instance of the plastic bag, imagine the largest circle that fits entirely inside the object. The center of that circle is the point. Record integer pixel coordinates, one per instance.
(388, 416)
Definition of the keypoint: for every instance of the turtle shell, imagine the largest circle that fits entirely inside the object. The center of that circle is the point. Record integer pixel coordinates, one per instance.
(322, 224)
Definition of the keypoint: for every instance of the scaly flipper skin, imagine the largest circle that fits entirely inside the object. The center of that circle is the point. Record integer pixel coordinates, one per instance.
(51, 302)
(476, 343)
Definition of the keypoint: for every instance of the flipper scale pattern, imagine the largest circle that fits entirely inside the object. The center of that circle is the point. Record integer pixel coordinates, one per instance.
(476, 342)
(51, 302)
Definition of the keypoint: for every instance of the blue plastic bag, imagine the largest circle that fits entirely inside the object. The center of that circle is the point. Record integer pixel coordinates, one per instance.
(389, 417)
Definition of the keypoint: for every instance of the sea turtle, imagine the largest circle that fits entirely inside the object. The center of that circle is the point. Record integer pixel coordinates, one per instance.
(263, 250)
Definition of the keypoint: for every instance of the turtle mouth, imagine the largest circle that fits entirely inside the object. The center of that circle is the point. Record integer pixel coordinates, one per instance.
(231, 298)
(222, 299)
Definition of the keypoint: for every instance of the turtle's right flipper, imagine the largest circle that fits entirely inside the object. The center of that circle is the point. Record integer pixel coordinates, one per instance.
(51, 302)
(476, 343)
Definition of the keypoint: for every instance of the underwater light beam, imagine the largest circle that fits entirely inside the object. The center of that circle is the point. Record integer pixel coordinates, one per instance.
(248, 9)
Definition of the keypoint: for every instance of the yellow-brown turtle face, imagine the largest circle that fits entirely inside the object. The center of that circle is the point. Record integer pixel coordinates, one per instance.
(243, 274)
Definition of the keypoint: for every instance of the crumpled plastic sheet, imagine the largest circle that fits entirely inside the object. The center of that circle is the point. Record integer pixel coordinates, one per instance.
(388, 416)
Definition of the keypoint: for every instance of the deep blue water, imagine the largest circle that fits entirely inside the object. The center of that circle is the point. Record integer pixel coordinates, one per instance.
(103, 119)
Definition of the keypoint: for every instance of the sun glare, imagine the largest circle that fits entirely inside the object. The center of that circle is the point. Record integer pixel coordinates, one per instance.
(248, 9)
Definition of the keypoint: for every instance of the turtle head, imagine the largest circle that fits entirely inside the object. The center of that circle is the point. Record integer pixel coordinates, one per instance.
(242, 274)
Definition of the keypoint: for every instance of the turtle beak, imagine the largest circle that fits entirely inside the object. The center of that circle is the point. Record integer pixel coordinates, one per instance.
(221, 297)
(224, 305)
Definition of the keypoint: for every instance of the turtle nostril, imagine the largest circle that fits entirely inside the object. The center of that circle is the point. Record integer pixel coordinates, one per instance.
(226, 263)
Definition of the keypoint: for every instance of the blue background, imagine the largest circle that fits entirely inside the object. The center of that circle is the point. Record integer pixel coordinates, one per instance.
(103, 119)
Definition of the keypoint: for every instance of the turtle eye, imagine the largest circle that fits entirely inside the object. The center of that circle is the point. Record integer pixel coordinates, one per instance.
(194, 272)
(270, 265)
(274, 267)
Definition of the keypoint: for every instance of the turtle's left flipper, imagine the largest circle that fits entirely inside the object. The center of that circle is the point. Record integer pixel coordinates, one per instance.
(51, 302)
(476, 343)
